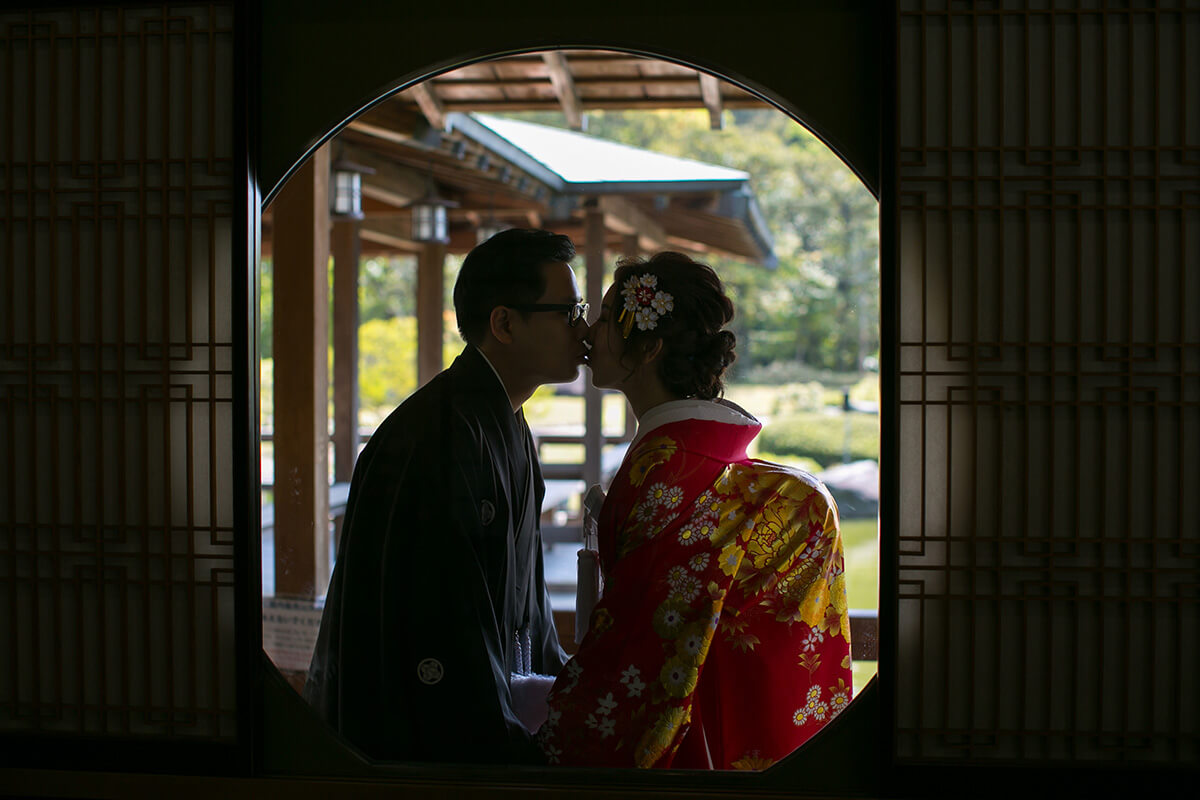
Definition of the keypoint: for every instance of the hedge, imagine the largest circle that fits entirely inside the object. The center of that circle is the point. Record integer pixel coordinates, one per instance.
(821, 436)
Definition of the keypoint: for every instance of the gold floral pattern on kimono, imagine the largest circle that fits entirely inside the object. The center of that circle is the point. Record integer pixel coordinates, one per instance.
(723, 632)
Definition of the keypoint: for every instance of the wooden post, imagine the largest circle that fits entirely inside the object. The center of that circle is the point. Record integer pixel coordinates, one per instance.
(430, 307)
(300, 330)
(593, 409)
(346, 249)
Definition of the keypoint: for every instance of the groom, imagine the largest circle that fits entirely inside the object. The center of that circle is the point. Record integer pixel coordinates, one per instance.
(437, 596)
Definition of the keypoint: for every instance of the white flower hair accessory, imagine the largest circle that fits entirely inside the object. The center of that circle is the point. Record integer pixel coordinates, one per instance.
(644, 305)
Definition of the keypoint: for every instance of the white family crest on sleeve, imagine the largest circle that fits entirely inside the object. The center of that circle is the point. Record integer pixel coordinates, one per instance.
(430, 671)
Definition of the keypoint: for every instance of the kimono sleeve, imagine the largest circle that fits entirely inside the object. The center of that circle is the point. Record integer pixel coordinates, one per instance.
(443, 671)
(626, 697)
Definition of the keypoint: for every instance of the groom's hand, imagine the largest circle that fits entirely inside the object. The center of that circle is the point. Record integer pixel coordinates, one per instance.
(529, 698)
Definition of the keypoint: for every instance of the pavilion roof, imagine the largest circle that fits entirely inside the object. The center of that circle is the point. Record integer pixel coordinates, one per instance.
(581, 161)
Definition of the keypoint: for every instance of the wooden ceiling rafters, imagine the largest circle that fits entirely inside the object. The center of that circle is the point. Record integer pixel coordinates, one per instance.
(413, 144)
(576, 81)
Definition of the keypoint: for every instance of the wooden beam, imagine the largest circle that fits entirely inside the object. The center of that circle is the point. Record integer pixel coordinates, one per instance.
(430, 105)
(391, 182)
(624, 217)
(394, 201)
(631, 245)
(708, 232)
(346, 252)
(564, 87)
(430, 306)
(394, 115)
(392, 231)
(389, 241)
(609, 103)
(300, 336)
(710, 92)
(379, 132)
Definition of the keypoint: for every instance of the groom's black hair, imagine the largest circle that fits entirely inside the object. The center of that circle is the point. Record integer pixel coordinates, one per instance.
(504, 270)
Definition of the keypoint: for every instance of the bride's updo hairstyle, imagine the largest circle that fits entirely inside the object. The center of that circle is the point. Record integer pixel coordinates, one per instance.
(689, 313)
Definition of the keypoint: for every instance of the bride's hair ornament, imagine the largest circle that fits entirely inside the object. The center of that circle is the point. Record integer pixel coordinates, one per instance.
(644, 305)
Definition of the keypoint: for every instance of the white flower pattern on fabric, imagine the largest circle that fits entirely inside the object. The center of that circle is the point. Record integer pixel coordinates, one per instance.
(676, 678)
(699, 562)
(686, 589)
(573, 673)
(811, 640)
(606, 704)
(670, 619)
(838, 701)
(707, 501)
(657, 493)
(646, 511)
(813, 708)
(631, 678)
(691, 645)
(702, 525)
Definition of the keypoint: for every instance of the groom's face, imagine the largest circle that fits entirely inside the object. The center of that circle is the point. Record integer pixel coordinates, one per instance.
(548, 349)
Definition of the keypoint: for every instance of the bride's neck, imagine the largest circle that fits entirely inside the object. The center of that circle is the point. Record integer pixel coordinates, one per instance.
(648, 394)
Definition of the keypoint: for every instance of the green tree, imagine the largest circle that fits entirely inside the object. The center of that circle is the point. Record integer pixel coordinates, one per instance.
(266, 307)
(387, 288)
(820, 304)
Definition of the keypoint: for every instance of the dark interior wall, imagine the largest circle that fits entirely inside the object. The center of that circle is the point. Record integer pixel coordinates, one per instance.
(1079, 407)
(323, 62)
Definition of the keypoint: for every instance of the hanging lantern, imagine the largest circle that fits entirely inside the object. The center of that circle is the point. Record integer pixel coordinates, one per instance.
(429, 222)
(345, 199)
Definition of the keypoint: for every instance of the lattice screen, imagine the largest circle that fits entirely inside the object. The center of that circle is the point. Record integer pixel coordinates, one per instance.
(1049, 577)
(116, 530)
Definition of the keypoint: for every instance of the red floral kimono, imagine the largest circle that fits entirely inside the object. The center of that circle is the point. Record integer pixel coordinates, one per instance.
(722, 640)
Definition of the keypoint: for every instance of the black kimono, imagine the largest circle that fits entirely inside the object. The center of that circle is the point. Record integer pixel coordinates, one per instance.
(437, 595)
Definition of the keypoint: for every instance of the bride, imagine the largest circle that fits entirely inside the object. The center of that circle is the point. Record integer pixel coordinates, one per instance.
(722, 640)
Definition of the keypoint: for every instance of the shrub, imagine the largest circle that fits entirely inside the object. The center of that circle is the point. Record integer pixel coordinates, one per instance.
(793, 397)
(387, 361)
(821, 436)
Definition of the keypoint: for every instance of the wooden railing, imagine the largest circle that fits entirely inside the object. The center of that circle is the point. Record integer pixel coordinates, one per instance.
(864, 623)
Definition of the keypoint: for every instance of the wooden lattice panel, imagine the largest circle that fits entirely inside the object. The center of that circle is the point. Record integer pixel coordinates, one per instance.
(116, 372)
(1049, 382)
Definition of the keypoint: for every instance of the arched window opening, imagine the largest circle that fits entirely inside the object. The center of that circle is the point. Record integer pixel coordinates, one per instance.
(362, 244)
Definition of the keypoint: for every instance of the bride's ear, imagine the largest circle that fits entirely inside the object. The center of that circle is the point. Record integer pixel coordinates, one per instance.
(652, 351)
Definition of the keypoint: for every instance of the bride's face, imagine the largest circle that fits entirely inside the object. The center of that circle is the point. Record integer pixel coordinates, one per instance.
(604, 359)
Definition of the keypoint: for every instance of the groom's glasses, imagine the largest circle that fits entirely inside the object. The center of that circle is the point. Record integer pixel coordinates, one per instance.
(575, 311)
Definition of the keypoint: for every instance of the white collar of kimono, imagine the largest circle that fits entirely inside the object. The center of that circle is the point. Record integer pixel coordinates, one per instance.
(679, 410)
(494, 372)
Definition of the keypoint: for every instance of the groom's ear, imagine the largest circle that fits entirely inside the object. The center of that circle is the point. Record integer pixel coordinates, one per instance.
(500, 324)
